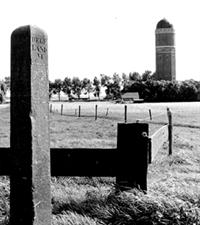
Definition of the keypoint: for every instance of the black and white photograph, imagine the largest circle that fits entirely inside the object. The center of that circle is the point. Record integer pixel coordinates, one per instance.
(100, 112)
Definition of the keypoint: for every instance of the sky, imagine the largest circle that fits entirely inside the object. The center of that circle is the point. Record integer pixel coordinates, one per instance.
(87, 38)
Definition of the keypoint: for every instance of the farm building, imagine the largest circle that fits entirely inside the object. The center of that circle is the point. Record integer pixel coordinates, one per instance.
(132, 96)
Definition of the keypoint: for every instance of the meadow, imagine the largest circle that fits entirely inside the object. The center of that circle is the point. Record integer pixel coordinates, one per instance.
(173, 181)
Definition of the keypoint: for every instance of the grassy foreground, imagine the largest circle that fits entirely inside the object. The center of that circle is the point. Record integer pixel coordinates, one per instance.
(173, 182)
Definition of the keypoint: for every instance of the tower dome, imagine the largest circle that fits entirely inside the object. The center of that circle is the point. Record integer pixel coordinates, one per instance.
(163, 24)
(165, 51)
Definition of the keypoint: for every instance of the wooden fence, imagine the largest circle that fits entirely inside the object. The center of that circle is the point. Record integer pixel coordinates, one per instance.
(157, 140)
(30, 162)
(162, 135)
(96, 114)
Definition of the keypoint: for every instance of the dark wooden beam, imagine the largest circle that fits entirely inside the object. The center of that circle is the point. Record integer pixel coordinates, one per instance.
(5, 161)
(72, 162)
(83, 162)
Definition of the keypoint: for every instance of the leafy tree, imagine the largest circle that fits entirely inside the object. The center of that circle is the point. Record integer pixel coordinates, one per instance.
(140, 87)
(7, 82)
(125, 81)
(194, 83)
(135, 76)
(51, 89)
(87, 85)
(171, 91)
(3, 88)
(58, 84)
(76, 86)
(2, 91)
(1, 98)
(146, 75)
(188, 91)
(97, 87)
(154, 76)
(106, 82)
(112, 84)
(116, 86)
(67, 86)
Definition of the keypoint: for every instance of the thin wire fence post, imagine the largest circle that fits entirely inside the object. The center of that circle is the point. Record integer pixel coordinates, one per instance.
(150, 114)
(170, 128)
(79, 111)
(61, 110)
(96, 112)
(107, 111)
(125, 113)
(50, 108)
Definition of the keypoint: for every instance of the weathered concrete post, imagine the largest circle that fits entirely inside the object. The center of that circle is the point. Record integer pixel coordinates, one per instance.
(30, 199)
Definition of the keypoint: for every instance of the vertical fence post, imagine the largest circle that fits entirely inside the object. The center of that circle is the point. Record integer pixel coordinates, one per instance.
(51, 108)
(107, 111)
(170, 130)
(96, 112)
(132, 162)
(125, 113)
(30, 196)
(79, 111)
(61, 110)
(150, 115)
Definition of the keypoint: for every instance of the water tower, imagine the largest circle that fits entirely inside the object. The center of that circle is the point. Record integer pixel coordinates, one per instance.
(165, 51)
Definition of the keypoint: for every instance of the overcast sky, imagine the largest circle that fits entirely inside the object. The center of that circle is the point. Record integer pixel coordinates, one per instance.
(90, 37)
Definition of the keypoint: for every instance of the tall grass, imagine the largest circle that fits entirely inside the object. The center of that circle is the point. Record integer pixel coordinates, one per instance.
(80, 201)
(4, 200)
(134, 207)
(173, 195)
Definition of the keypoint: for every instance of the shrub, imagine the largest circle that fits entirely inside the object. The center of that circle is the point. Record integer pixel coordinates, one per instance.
(163, 91)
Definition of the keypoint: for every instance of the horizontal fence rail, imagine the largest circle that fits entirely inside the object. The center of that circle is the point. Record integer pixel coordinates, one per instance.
(157, 140)
(5, 161)
(72, 162)
(161, 136)
(84, 162)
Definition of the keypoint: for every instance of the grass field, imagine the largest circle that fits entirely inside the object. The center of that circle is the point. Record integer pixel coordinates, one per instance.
(173, 182)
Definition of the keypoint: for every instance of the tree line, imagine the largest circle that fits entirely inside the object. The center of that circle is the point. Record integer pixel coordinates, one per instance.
(146, 84)
(113, 85)
(149, 88)
(76, 86)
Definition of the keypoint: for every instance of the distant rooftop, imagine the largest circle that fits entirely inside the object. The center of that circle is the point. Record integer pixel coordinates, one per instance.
(164, 24)
(133, 95)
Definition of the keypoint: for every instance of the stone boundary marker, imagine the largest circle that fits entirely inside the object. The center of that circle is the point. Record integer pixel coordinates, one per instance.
(30, 198)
